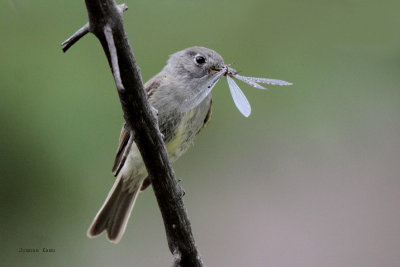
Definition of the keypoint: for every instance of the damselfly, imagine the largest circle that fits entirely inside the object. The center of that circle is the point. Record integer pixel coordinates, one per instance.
(239, 98)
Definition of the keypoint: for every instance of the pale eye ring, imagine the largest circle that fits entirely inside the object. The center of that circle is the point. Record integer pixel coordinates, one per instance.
(199, 59)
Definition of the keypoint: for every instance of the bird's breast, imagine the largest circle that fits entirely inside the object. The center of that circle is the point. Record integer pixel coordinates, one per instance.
(180, 129)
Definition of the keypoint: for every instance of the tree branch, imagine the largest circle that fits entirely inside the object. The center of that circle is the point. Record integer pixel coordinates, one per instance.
(114, 58)
(105, 22)
(75, 37)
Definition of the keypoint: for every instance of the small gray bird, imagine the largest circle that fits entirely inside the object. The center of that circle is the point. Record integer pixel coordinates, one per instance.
(185, 70)
(181, 93)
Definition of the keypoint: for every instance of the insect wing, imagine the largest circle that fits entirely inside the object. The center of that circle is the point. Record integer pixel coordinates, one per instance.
(266, 81)
(238, 97)
(190, 103)
(249, 81)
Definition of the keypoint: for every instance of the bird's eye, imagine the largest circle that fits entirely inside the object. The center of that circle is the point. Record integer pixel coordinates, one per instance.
(200, 60)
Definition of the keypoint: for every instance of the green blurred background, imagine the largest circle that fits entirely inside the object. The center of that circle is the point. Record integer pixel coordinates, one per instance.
(311, 178)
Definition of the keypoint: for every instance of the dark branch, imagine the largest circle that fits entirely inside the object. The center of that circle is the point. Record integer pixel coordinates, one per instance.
(75, 37)
(106, 23)
(113, 59)
(83, 31)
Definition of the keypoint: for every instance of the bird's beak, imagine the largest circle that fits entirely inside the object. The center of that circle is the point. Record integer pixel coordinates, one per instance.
(215, 70)
(228, 70)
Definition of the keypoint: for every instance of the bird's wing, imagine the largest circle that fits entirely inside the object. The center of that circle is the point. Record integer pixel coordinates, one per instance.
(207, 118)
(120, 157)
(125, 144)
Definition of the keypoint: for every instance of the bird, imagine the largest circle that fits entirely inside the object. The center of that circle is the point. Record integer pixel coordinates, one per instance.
(186, 74)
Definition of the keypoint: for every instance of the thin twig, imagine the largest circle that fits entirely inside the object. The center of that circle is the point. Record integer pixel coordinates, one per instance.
(84, 30)
(75, 37)
(114, 58)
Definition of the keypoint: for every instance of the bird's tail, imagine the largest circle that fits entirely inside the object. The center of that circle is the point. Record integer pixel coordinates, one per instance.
(114, 214)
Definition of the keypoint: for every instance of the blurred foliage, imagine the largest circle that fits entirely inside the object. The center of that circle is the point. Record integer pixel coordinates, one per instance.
(310, 179)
